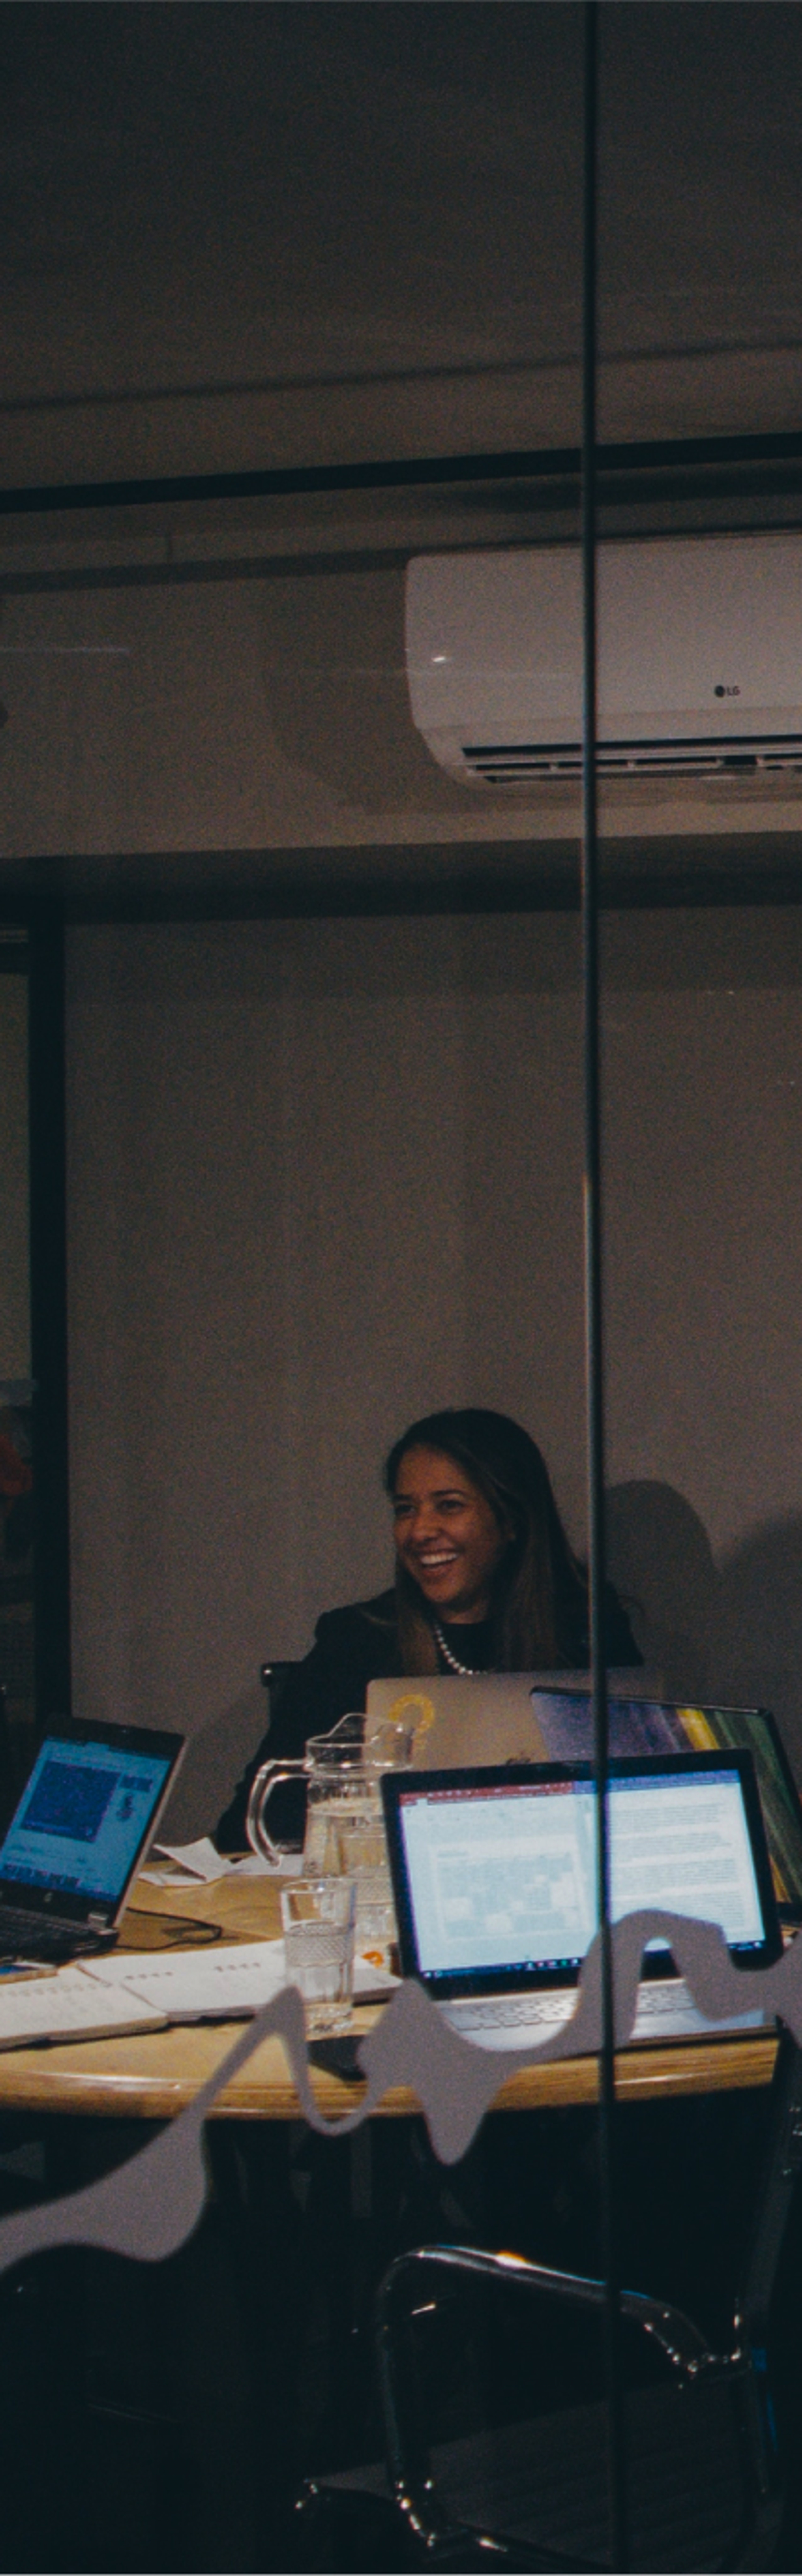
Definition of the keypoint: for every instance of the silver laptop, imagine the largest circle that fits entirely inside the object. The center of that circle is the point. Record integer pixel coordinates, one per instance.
(494, 1878)
(81, 1827)
(475, 1717)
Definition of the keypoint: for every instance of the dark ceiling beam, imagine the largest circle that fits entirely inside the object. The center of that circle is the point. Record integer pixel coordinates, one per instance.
(389, 880)
(508, 465)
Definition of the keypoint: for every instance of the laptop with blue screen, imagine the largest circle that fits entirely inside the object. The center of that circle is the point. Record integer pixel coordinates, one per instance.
(86, 1816)
(494, 1878)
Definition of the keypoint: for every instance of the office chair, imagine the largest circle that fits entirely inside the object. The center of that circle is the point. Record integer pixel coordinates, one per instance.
(530, 2491)
(288, 1805)
(273, 1678)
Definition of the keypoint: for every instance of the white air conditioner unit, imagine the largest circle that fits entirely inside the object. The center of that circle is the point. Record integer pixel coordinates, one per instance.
(700, 659)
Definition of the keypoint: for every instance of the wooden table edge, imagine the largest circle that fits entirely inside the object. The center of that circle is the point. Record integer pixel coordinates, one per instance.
(102, 2078)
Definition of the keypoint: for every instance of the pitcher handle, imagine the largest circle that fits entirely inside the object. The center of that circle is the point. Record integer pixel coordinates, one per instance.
(265, 1780)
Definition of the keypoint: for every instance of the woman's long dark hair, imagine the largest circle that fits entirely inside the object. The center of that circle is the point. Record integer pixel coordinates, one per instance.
(539, 1595)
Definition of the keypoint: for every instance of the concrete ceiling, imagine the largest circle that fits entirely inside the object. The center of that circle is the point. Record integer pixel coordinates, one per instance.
(247, 235)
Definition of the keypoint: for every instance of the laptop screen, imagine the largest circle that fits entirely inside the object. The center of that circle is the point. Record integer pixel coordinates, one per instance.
(565, 1720)
(85, 1815)
(494, 1871)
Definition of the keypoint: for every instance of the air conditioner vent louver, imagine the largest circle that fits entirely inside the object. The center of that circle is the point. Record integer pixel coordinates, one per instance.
(699, 664)
(504, 764)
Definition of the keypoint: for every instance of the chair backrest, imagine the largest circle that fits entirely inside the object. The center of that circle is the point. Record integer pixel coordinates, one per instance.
(274, 1678)
(735, 2433)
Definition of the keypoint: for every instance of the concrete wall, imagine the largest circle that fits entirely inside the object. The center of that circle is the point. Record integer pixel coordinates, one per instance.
(326, 1175)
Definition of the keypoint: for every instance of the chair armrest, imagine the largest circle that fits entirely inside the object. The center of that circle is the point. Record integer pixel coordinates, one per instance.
(677, 2338)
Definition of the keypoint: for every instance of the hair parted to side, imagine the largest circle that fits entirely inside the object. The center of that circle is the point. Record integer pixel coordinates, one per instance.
(539, 1602)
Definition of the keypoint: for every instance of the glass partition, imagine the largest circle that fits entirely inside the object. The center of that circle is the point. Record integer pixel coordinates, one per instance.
(291, 1063)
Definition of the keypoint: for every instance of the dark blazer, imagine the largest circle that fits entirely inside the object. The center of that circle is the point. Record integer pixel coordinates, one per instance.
(352, 1647)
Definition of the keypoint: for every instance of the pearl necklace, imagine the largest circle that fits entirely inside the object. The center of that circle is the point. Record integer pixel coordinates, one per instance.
(467, 1672)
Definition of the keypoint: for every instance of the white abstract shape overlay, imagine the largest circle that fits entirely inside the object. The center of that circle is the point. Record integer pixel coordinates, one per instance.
(152, 2203)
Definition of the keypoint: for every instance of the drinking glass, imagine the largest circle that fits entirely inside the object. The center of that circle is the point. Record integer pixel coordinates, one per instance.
(319, 1918)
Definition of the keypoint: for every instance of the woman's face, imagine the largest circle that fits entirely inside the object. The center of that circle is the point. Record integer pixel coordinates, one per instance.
(447, 1534)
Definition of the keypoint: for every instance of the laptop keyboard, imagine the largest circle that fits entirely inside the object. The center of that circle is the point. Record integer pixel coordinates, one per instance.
(506, 2012)
(26, 1936)
(664, 2005)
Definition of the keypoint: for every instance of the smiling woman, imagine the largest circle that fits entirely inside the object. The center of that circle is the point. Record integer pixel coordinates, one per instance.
(486, 1581)
(480, 1546)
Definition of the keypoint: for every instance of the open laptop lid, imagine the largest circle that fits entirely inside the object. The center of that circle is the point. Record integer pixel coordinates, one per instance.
(494, 1870)
(459, 1717)
(85, 1818)
(651, 1724)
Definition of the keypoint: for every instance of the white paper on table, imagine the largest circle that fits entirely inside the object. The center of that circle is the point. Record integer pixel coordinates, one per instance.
(226, 1983)
(370, 1982)
(66, 2006)
(197, 1861)
(256, 1865)
(201, 1864)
